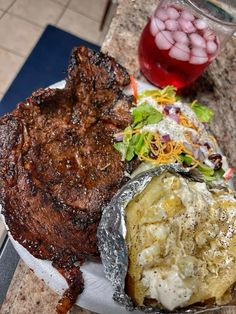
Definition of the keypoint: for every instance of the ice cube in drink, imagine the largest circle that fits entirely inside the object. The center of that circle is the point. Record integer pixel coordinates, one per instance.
(175, 47)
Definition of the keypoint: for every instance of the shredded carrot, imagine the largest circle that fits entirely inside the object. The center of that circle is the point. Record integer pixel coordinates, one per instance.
(228, 174)
(134, 87)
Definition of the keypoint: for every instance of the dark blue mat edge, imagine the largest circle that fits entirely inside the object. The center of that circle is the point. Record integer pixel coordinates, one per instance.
(46, 64)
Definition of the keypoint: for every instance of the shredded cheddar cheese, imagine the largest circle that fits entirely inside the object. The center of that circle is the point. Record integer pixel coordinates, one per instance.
(166, 152)
(164, 99)
(161, 96)
(183, 120)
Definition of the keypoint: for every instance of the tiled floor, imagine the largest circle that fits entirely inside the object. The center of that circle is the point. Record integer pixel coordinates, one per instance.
(23, 21)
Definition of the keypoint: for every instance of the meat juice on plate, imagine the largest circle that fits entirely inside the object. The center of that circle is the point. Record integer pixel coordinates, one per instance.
(175, 47)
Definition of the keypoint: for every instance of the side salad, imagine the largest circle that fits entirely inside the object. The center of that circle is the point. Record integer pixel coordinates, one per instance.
(166, 130)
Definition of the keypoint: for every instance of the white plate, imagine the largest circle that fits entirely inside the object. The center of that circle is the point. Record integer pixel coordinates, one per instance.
(97, 295)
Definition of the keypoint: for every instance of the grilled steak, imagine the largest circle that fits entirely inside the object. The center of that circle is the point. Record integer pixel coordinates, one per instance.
(58, 167)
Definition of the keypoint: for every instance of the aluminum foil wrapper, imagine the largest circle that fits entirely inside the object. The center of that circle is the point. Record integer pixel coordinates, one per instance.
(112, 233)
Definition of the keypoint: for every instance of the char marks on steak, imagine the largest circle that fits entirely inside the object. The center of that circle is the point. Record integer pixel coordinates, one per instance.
(58, 167)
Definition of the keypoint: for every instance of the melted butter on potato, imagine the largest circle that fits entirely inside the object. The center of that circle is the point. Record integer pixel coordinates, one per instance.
(182, 243)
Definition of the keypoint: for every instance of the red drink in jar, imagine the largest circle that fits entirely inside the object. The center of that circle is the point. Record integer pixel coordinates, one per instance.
(175, 47)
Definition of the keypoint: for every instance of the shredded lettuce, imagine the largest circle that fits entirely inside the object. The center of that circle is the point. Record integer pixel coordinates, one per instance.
(165, 95)
(136, 144)
(205, 170)
(122, 148)
(186, 159)
(210, 174)
(203, 113)
(145, 114)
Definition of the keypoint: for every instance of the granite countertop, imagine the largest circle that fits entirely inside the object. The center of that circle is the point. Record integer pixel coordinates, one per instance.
(216, 88)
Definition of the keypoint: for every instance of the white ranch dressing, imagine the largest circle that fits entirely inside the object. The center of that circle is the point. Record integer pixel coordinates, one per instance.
(171, 127)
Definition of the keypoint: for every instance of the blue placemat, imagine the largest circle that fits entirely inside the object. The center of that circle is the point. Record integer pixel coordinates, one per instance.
(46, 65)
